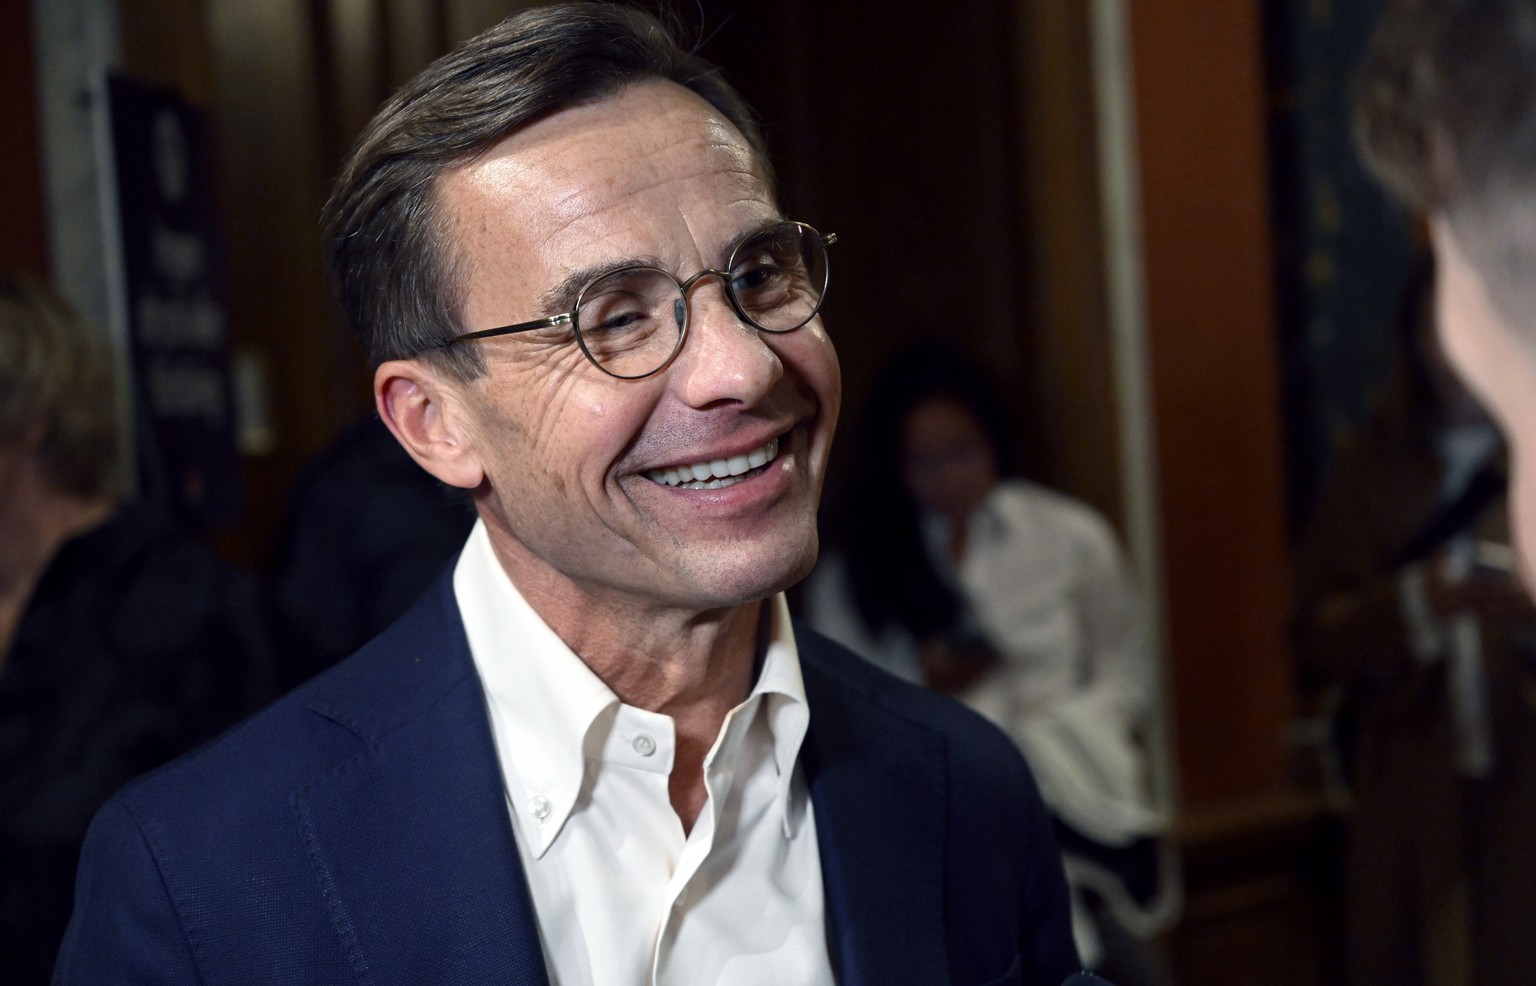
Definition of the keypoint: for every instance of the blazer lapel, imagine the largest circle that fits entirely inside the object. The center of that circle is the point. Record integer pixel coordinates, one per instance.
(410, 839)
(877, 788)
(413, 848)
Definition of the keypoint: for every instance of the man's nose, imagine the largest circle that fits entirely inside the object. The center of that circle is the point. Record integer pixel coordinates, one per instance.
(724, 358)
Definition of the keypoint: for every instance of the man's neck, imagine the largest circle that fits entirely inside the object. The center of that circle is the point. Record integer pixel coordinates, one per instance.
(697, 688)
(696, 676)
(694, 667)
(655, 655)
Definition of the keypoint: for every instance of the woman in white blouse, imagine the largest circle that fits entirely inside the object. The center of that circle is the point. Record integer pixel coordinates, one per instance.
(1017, 600)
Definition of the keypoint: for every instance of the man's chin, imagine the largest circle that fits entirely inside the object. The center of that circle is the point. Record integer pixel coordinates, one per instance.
(748, 577)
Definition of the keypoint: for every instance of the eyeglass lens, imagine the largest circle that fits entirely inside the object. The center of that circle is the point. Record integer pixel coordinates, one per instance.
(630, 322)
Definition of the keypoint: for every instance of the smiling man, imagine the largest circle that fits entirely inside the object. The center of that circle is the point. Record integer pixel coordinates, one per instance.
(598, 751)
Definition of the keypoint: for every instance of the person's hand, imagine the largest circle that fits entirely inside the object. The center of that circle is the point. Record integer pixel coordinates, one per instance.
(947, 668)
(1484, 591)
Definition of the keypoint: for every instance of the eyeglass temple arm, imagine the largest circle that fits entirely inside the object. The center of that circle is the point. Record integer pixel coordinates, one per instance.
(506, 330)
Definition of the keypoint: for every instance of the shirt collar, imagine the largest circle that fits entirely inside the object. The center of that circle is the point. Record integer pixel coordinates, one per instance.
(782, 688)
(544, 700)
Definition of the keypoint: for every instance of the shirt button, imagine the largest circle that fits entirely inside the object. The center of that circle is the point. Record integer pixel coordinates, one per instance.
(539, 807)
(644, 745)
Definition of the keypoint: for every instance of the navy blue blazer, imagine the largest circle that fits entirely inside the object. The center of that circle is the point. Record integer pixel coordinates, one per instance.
(357, 832)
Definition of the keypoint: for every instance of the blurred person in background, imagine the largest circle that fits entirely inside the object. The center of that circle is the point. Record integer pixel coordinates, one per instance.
(1412, 624)
(122, 641)
(366, 531)
(1446, 119)
(951, 571)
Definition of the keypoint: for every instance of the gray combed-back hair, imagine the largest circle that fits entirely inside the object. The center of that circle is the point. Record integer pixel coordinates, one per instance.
(386, 241)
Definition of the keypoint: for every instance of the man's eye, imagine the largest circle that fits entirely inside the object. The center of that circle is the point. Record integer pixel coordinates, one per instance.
(617, 321)
(751, 278)
(764, 288)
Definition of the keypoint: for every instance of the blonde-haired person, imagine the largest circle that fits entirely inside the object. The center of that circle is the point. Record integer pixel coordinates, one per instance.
(122, 641)
(58, 437)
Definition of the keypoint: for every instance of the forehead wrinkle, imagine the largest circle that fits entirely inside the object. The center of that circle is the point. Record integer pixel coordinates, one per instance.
(588, 202)
(588, 171)
(710, 144)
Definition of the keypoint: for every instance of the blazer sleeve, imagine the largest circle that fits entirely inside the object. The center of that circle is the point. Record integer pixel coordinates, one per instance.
(125, 928)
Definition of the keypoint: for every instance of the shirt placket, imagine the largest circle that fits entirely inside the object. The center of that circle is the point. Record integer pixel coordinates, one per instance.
(719, 778)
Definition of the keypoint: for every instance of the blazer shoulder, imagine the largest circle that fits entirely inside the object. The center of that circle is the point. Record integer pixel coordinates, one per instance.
(322, 723)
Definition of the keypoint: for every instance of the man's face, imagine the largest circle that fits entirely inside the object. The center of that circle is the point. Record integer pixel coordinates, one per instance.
(1498, 363)
(569, 456)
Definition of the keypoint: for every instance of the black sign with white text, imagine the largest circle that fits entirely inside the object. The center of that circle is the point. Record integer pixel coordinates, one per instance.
(175, 293)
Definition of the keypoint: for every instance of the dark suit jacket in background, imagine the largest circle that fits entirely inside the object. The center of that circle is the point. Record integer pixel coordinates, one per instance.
(137, 645)
(358, 832)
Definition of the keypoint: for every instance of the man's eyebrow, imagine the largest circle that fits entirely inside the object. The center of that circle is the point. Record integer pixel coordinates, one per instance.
(562, 297)
(746, 233)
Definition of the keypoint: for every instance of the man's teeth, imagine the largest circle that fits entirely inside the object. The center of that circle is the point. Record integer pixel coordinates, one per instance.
(717, 473)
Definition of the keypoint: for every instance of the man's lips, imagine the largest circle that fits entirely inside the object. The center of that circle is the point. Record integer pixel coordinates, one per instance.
(717, 474)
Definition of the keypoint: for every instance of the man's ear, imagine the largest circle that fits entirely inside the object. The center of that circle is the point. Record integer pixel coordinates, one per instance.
(423, 408)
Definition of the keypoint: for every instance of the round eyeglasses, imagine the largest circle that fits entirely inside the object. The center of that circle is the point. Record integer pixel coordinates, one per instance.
(631, 322)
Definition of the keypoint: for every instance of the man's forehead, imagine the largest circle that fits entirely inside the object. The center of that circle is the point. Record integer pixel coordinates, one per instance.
(648, 174)
(624, 129)
(568, 163)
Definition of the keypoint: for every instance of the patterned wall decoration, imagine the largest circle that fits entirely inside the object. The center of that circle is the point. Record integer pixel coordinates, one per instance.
(1343, 250)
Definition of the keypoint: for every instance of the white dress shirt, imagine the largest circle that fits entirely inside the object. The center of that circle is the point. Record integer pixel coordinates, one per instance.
(622, 895)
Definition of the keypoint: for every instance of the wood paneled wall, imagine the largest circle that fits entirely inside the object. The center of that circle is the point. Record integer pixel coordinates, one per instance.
(294, 82)
(24, 246)
(1212, 344)
(954, 155)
